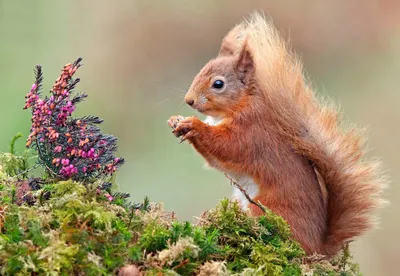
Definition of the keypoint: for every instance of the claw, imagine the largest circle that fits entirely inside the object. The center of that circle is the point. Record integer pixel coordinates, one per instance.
(187, 136)
(176, 133)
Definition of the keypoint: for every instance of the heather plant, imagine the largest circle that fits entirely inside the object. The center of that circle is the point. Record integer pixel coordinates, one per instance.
(68, 147)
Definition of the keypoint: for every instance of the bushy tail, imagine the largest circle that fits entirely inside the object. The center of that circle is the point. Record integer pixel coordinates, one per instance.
(354, 184)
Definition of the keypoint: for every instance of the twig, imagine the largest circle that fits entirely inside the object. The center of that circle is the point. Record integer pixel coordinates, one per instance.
(234, 183)
(181, 264)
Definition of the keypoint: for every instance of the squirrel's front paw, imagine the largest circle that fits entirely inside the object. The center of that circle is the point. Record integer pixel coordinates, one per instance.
(185, 129)
(174, 120)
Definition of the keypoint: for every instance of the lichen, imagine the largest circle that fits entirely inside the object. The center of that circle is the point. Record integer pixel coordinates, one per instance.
(184, 247)
(213, 268)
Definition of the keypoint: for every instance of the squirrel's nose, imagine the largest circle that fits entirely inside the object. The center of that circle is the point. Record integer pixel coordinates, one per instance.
(190, 102)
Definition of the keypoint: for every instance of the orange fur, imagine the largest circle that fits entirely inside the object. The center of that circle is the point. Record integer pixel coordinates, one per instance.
(275, 131)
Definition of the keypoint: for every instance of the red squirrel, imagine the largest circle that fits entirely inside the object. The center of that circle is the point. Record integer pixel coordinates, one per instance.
(267, 130)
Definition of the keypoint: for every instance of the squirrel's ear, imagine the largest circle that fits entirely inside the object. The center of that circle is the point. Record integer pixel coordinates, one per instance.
(245, 63)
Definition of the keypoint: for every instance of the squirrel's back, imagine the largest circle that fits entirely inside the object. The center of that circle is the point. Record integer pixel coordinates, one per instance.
(312, 126)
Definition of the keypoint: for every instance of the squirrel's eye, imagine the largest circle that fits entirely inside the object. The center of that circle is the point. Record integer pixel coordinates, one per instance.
(218, 84)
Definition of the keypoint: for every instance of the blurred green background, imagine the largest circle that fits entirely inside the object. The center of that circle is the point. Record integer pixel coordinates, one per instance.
(140, 57)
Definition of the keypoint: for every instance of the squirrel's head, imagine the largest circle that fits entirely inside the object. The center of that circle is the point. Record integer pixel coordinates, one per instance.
(224, 83)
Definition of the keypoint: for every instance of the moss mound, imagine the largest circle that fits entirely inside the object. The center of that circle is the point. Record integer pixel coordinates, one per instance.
(66, 227)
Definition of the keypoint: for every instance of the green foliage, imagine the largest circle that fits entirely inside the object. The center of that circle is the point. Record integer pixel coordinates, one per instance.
(12, 143)
(13, 165)
(50, 227)
(253, 242)
(77, 230)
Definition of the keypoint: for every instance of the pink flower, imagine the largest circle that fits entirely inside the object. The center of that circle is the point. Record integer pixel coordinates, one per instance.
(57, 149)
(68, 171)
(108, 196)
(90, 153)
(65, 162)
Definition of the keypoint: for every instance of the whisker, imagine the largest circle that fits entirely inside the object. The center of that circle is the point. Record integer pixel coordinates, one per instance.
(182, 92)
(162, 85)
(181, 105)
(163, 101)
(169, 99)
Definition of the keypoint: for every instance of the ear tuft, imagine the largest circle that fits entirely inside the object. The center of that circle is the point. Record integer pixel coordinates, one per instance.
(229, 44)
(245, 63)
(227, 49)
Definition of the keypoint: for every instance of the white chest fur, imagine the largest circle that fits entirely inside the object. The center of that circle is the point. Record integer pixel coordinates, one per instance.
(213, 121)
(245, 181)
(248, 184)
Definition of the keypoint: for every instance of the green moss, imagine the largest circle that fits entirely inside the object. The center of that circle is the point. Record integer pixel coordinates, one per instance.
(68, 228)
(14, 165)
